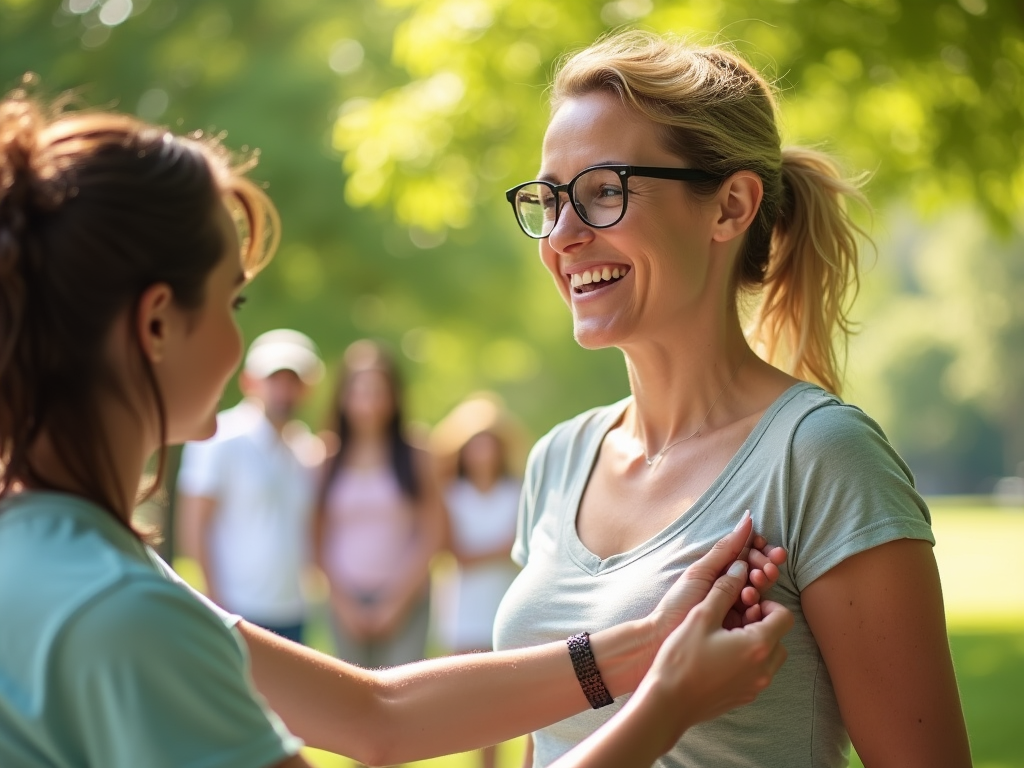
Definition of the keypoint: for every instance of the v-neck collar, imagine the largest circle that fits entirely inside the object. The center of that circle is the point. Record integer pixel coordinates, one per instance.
(595, 565)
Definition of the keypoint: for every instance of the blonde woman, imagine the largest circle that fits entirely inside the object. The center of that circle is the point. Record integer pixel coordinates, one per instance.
(664, 200)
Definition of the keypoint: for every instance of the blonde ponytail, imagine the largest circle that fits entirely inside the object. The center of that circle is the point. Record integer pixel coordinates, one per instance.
(812, 273)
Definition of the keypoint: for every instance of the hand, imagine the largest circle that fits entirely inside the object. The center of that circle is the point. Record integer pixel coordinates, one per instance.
(763, 561)
(354, 620)
(385, 618)
(697, 580)
(704, 670)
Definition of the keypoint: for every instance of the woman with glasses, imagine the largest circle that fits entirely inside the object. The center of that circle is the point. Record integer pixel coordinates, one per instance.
(124, 251)
(678, 229)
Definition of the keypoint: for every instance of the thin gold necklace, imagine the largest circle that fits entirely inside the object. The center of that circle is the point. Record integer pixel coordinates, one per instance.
(651, 459)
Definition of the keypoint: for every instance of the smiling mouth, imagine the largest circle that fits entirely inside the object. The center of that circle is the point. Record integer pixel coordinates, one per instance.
(591, 280)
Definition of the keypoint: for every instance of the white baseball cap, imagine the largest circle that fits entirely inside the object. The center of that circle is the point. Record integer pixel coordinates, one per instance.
(284, 350)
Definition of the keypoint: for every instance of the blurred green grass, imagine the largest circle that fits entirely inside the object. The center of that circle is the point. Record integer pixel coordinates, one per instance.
(980, 565)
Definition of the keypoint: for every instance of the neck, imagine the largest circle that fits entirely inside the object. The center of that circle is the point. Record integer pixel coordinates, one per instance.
(122, 458)
(483, 481)
(277, 421)
(679, 383)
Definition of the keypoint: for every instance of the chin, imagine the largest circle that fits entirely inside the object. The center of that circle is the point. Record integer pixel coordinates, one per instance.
(594, 338)
(203, 431)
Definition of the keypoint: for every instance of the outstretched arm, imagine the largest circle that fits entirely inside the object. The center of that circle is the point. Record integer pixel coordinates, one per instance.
(879, 622)
(459, 703)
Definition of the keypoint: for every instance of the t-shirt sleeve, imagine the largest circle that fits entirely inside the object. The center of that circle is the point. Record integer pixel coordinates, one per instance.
(528, 500)
(227, 618)
(849, 491)
(202, 468)
(153, 678)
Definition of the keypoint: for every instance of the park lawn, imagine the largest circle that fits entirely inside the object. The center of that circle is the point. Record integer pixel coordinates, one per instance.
(979, 562)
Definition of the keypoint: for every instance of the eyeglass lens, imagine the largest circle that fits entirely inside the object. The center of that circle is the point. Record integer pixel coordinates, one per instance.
(597, 198)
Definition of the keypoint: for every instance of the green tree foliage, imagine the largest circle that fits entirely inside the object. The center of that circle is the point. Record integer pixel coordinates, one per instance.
(389, 130)
(926, 96)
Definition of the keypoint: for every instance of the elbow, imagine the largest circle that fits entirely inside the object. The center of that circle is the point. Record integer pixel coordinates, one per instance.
(378, 732)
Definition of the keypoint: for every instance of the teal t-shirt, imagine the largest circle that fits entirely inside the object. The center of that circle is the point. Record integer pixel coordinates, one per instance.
(105, 661)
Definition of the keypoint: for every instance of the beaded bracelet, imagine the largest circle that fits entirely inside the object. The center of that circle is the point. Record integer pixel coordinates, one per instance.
(587, 673)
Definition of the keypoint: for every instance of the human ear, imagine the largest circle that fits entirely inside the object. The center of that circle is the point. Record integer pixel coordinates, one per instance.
(738, 199)
(153, 320)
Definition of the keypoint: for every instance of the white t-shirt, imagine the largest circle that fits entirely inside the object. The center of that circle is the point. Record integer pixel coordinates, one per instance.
(481, 521)
(264, 485)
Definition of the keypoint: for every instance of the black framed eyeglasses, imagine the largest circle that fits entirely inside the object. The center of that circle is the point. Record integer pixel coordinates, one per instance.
(598, 194)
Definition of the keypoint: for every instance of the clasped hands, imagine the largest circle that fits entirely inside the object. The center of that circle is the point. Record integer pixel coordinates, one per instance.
(717, 640)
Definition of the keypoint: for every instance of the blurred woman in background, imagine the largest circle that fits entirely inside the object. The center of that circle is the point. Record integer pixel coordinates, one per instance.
(379, 518)
(478, 447)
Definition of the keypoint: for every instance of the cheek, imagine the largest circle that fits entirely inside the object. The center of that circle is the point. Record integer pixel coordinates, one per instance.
(232, 344)
(549, 258)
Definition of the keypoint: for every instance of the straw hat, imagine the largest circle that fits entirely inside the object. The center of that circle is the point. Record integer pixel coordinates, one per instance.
(480, 412)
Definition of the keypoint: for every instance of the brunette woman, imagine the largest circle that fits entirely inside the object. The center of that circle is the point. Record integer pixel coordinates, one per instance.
(124, 251)
(379, 518)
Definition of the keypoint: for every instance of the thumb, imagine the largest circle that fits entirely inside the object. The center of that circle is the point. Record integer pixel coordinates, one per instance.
(732, 546)
(724, 592)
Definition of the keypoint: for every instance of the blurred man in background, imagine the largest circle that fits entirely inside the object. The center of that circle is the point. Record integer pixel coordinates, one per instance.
(246, 494)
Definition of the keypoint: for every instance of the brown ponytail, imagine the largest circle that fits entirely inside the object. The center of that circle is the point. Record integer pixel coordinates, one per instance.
(718, 114)
(94, 209)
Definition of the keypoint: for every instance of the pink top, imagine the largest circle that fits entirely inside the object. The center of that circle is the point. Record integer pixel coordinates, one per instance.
(370, 536)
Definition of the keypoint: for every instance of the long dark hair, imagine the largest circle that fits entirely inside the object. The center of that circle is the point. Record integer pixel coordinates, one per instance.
(94, 209)
(363, 356)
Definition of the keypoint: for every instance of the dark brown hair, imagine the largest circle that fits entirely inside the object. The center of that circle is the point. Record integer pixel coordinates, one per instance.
(360, 357)
(95, 208)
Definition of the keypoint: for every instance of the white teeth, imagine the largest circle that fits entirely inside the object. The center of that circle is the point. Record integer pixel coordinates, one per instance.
(588, 276)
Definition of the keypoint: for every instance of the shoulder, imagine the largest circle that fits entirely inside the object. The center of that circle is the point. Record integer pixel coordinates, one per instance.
(57, 556)
(309, 448)
(828, 429)
(235, 423)
(145, 613)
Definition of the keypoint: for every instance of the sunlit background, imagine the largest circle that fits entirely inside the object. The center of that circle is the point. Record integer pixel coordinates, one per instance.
(389, 130)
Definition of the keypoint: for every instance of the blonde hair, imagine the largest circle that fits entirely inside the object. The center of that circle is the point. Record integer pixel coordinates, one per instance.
(719, 113)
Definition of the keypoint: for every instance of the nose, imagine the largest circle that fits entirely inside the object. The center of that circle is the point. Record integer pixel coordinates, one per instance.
(569, 228)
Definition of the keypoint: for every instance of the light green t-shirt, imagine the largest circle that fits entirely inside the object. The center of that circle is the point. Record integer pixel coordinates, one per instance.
(105, 661)
(819, 478)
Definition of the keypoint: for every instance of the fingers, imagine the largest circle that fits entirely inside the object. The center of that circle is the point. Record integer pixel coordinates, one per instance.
(724, 592)
(727, 549)
(775, 622)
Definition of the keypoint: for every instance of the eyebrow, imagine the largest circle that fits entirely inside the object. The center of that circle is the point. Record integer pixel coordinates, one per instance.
(551, 178)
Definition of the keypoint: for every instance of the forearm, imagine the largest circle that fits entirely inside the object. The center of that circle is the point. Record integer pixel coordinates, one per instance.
(636, 737)
(438, 706)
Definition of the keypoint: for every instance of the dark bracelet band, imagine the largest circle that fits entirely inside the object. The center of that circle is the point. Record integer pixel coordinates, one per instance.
(587, 672)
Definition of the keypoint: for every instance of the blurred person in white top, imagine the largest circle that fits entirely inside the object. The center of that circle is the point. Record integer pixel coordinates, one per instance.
(245, 496)
(479, 452)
